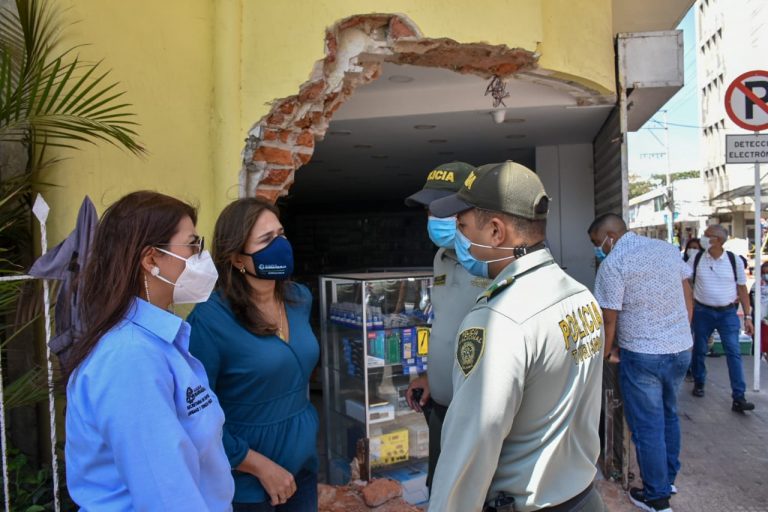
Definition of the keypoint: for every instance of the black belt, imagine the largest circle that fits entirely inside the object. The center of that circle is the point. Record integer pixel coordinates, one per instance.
(718, 308)
(566, 506)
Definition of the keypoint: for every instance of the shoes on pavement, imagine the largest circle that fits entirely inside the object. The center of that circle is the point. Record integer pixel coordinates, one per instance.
(698, 390)
(712, 353)
(741, 405)
(637, 496)
(673, 489)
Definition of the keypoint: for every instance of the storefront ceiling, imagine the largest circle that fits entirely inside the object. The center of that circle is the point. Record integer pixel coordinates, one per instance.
(382, 143)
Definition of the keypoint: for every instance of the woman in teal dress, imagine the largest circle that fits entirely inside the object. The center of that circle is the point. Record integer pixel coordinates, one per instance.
(254, 338)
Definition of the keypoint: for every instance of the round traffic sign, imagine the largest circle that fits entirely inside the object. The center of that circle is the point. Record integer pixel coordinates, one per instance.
(746, 100)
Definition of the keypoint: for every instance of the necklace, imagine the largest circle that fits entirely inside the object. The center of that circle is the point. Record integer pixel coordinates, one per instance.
(280, 333)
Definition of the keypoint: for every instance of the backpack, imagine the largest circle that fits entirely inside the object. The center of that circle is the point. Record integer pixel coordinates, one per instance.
(697, 258)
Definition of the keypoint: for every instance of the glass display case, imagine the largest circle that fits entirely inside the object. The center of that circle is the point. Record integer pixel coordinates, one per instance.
(375, 336)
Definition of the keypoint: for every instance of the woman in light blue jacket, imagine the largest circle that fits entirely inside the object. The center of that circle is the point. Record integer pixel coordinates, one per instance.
(144, 431)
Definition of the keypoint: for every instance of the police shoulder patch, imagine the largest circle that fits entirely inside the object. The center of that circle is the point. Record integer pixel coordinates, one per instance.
(440, 280)
(470, 348)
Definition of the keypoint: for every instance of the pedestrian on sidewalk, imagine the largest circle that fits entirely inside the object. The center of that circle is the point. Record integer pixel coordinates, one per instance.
(521, 432)
(719, 285)
(642, 287)
(761, 318)
(454, 292)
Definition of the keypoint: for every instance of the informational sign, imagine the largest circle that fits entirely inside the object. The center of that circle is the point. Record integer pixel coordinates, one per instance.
(746, 100)
(746, 149)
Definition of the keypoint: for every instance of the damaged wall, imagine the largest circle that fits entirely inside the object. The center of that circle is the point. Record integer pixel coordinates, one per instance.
(200, 73)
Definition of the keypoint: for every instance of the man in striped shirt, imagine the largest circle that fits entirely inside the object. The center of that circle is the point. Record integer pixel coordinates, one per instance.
(719, 285)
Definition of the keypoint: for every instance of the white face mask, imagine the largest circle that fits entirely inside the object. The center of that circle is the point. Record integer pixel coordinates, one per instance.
(692, 253)
(704, 241)
(196, 281)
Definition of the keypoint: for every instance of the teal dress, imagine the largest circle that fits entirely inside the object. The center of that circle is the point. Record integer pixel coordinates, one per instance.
(263, 387)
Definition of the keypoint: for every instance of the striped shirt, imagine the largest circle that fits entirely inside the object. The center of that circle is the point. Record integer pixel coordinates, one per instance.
(714, 285)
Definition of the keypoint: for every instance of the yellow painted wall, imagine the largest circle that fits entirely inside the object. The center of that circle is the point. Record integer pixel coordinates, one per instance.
(201, 72)
(161, 52)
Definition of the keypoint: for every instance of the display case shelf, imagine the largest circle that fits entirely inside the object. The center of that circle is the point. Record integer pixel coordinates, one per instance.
(375, 337)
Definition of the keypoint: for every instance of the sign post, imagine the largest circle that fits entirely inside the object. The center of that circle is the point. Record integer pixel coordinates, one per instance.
(746, 102)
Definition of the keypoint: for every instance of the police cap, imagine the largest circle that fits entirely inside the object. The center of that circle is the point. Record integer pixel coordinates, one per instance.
(442, 181)
(506, 187)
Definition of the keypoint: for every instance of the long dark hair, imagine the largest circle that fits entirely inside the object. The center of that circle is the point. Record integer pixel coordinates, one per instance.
(229, 238)
(113, 275)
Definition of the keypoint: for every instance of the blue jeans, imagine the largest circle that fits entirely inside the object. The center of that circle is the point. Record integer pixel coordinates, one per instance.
(705, 321)
(303, 500)
(649, 386)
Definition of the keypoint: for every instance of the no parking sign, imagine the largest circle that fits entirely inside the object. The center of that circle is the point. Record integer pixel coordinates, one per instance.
(746, 100)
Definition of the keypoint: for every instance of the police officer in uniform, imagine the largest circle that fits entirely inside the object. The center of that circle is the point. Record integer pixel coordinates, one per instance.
(453, 294)
(521, 432)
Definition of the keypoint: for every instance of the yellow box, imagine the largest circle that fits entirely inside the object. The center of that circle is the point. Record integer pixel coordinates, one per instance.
(389, 448)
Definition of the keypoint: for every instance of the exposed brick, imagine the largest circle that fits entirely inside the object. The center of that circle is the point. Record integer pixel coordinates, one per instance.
(302, 158)
(504, 69)
(273, 155)
(285, 135)
(276, 176)
(380, 491)
(312, 91)
(398, 29)
(276, 119)
(269, 135)
(287, 107)
(306, 138)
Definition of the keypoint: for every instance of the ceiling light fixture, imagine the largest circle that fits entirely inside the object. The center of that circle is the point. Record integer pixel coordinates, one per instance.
(400, 79)
(424, 127)
(498, 115)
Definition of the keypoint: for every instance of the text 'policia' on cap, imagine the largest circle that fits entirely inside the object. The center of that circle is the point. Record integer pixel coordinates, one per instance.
(506, 187)
(444, 180)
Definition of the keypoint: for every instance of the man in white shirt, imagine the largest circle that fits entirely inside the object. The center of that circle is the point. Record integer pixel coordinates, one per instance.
(642, 287)
(719, 285)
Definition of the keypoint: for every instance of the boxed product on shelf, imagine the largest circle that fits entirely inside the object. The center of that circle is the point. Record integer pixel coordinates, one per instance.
(413, 479)
(408, 342)
(418, 435)
(377, 413)
(389, 448)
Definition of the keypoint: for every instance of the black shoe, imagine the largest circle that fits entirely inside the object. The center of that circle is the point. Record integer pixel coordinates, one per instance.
(741, 405)
(698, 390)
(637, 496)
(712, 353)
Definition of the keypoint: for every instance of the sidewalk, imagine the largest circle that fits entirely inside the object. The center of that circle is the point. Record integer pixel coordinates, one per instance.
(724, 456)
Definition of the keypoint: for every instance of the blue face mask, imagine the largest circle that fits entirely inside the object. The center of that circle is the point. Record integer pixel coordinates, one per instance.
(275, 261)
(472, 265)
(600, 254)
(442, 232)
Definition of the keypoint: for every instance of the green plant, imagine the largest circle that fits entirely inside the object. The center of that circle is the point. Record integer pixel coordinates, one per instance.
(30, 487)
(49, 98)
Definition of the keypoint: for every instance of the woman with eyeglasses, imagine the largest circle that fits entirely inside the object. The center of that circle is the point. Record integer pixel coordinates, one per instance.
(254, 338)
(143, 426)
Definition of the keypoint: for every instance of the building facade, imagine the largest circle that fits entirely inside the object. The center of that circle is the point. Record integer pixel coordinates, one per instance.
(730, 40)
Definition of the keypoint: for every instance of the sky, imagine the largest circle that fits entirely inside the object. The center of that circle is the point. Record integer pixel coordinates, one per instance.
(647, 147)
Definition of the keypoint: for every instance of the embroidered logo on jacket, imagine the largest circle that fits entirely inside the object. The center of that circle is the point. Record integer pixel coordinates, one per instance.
(198, 399)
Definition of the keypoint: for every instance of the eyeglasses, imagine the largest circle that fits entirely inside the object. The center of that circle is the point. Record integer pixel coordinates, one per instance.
(198, 243)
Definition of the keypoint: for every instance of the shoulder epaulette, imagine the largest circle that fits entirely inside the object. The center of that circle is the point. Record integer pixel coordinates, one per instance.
(495, 289)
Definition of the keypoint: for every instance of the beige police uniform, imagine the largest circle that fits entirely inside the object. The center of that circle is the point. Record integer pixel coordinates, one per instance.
(454, 293)
(527, 381)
